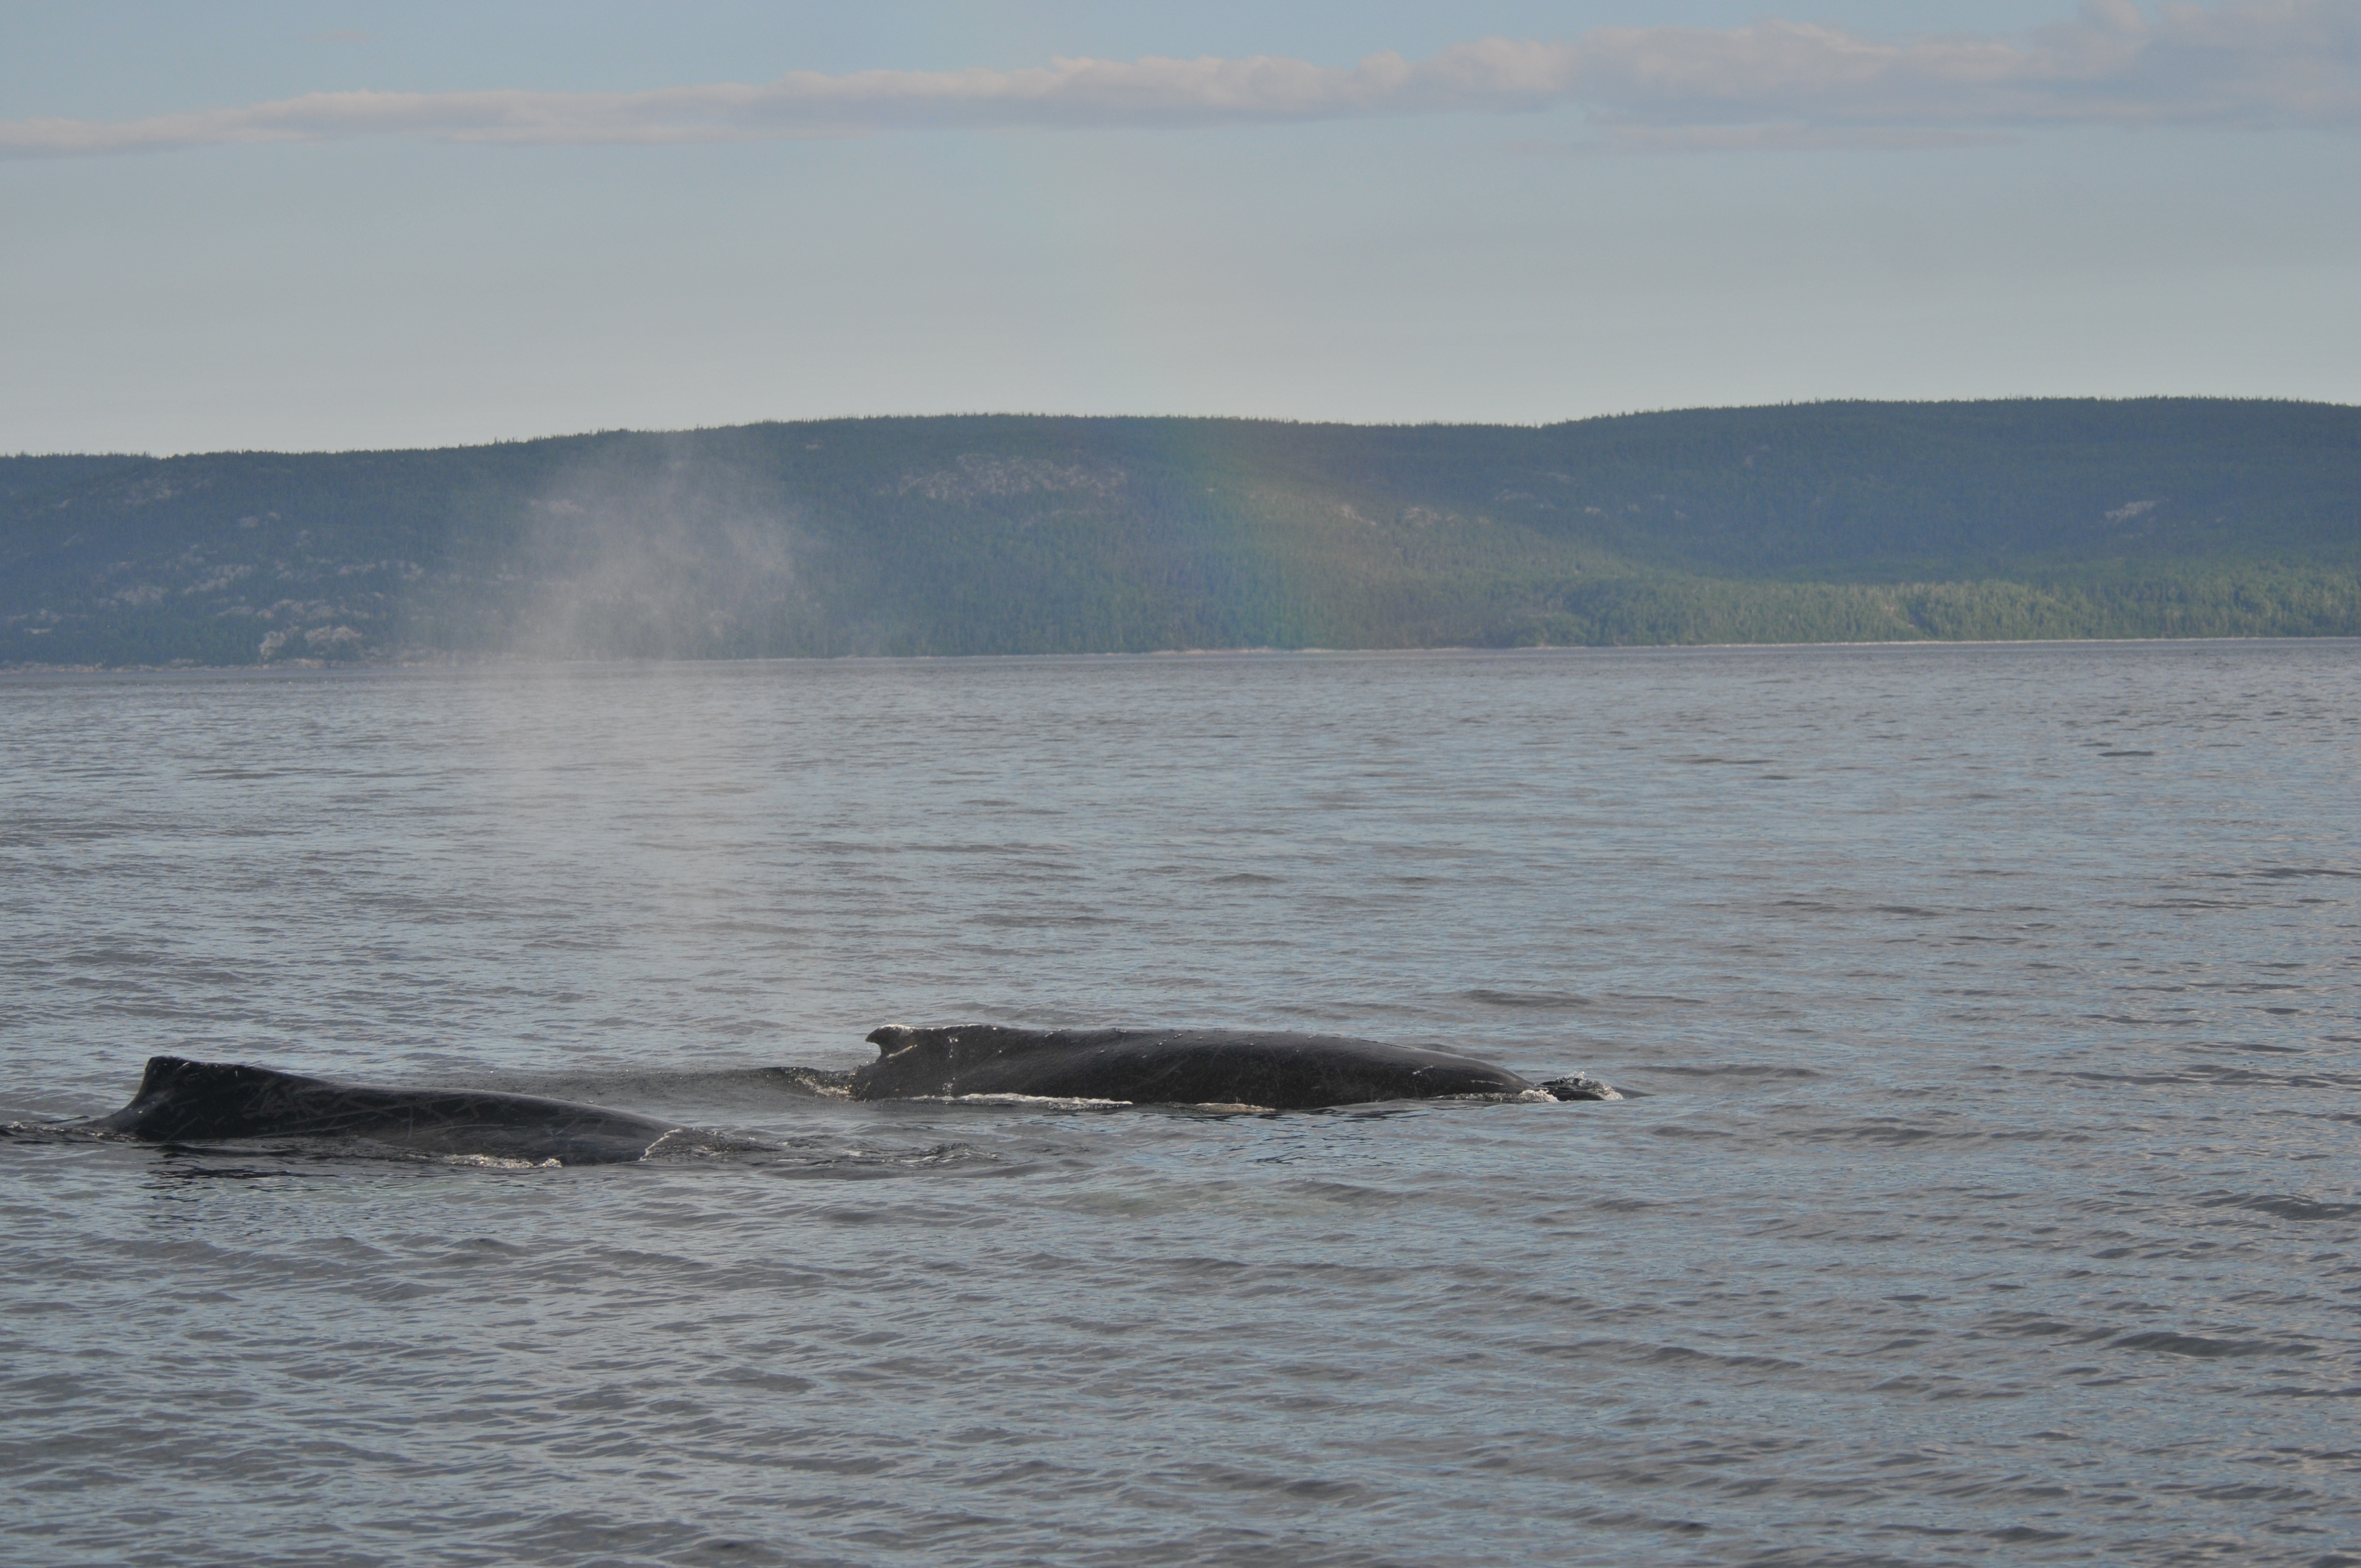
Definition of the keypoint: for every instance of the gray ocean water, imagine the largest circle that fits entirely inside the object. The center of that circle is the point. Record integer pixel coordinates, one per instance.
(1988, 1191)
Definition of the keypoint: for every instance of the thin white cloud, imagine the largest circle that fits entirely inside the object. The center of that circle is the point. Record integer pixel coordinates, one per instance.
(2244, 62)
(1622, 139)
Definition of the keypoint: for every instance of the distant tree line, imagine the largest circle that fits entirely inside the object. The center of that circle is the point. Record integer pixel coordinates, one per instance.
(1005, 534)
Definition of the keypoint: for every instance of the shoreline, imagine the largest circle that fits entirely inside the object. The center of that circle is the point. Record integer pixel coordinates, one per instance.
(507, 662)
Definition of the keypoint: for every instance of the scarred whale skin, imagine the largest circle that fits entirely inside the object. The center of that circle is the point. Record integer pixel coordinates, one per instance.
(1267, 1070)
(194, 1101)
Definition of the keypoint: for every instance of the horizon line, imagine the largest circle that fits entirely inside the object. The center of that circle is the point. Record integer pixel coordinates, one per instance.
(1188, 417)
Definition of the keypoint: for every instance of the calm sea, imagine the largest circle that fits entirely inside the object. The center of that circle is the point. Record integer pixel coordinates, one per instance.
(1988, 1191)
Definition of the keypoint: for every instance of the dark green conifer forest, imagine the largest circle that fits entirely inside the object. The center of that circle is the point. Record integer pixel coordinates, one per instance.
(1020, 534)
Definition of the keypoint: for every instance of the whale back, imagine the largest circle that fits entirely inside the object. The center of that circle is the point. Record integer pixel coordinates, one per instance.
(1274, 1069)
(191, 1101)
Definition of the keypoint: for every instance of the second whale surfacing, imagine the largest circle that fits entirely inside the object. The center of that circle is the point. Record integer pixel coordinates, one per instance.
(1247, 1069)
(193, 1102)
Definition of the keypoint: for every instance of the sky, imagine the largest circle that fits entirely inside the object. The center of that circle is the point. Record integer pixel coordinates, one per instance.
(327, 226)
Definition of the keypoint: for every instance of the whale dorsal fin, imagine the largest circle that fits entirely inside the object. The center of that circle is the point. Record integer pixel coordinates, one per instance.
(163, 1072)
(173, 1074)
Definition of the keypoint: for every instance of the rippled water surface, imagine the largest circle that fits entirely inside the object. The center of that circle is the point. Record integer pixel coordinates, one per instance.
(1988, 1191)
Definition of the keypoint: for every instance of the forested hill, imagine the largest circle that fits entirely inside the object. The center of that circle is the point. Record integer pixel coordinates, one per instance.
(1008, 535)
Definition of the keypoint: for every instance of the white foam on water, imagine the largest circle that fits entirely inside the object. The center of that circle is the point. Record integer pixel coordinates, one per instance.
(1060, 1101)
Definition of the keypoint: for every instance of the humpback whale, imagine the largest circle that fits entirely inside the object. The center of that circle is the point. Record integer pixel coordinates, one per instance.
(1261, 1068)
(194, 1101)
